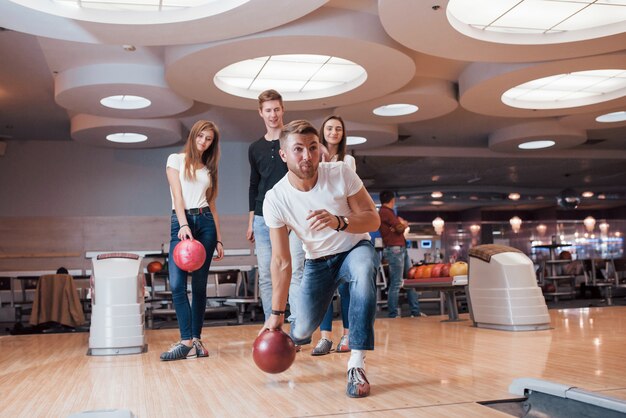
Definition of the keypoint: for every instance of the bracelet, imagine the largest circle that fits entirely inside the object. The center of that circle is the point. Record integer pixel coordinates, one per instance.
(220, 242)
(274, 312)
(182, 226)
(338, 223)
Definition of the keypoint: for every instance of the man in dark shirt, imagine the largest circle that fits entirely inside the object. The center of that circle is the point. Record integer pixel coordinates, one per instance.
(392, 232)
(266, 169)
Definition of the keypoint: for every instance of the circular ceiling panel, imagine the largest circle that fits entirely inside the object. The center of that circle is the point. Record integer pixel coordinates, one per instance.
(510, 138)
(209, 21)
(481, 87)
(93, 130)
(432, 97)
(425, 27)
(82, 90)
(356, 37)
(589, 120)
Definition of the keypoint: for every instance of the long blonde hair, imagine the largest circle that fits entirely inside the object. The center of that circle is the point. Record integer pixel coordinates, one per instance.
(209, 158)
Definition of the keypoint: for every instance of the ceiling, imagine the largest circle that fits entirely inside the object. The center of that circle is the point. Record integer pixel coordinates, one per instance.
(461, 142)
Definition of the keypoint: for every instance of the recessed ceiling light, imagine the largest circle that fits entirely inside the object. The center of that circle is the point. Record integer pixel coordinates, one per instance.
(295, 76)
(125, 102)
(355, 140)
(568, 90)
(612, 117)
(396, 109)
(135, 5)
(514, 196)
(601, 196)
(436, 202)
(436, 195)
(587, 193)
(126, 138)
(536, 144)
(539, 18)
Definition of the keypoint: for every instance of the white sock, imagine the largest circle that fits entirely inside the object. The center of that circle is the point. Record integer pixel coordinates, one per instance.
(357, 359)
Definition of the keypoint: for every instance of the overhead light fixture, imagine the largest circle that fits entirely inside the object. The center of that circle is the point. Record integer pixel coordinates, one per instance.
(137, 5)
(612, 117)
(567, 90)
(601, 196)
(589, 223)
(587, 194)
(436, 195)
(355, 140)
(436, 202)
(296, 76)
(547, 143)
(127, 138)
(438, 224)
(514, 196)
(396, 109)
(516, 223)
(474, 229)
(541, 229)
(125, 102)
(604, 227)
(539, 18)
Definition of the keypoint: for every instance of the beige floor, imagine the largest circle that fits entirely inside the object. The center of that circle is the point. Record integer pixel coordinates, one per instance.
(421, 367)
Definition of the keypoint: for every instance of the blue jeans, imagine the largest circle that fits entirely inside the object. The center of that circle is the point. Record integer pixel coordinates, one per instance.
(356, 267)
(264, 257)
(191, 316)
(399, 265)
(344, 295)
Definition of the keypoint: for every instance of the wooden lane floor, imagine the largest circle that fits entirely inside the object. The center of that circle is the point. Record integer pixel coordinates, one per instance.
(421, 367)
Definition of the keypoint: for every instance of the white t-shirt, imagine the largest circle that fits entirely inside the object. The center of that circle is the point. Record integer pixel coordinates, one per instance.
(348, 159)
(286, 205)
(194, 192)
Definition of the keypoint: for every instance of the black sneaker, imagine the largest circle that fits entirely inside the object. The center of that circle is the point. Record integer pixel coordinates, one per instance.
(177, 351)
(358, 386)
(324, 346)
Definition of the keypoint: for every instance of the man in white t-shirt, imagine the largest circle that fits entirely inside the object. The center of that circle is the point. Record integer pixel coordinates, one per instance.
(330, 210)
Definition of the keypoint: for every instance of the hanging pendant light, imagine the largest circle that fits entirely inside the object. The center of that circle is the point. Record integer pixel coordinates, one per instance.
(541, 229)
(474, 229)
(516, 223)
(604, 227)
(590, 223)
(438, 224)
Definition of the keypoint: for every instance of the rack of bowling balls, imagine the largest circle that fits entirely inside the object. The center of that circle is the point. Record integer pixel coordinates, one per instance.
(429, 271)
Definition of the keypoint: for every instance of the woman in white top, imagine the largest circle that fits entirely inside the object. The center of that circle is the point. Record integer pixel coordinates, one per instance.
(192, 176)
(333, 138)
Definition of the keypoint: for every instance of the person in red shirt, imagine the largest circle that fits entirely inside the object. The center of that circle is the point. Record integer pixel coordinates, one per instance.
(392, 232)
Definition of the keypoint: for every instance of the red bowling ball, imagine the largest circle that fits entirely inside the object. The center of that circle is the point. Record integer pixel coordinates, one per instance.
(189, 255)
(273, 351)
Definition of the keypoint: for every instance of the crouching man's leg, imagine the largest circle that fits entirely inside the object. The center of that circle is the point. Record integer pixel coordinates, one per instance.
(359, 269)
(315, 294)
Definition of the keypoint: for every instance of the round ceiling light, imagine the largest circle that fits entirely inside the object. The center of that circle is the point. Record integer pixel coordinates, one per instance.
(568, 90)
(536, 144)
(126, 138)
(296, 76)
(514, 196)
(436, 195)
(587, 194)
(533, 22)
(396, 109)
(355, 140)
(612, 117)
(125, 102)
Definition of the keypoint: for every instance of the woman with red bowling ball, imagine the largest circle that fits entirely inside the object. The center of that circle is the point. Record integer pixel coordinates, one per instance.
(333, 138)
(192, 176)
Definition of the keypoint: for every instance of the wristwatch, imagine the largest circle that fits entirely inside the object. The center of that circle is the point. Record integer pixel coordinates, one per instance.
(345, 223)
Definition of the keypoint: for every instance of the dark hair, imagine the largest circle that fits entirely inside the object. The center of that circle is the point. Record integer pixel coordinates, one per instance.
(268, 95)
(209, 158)
(342, 144)
(62, 270)
(300, 126)
(386, 196)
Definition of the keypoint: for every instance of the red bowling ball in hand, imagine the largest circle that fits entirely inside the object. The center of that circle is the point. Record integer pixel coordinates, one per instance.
(189, 255)
(273, 351)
